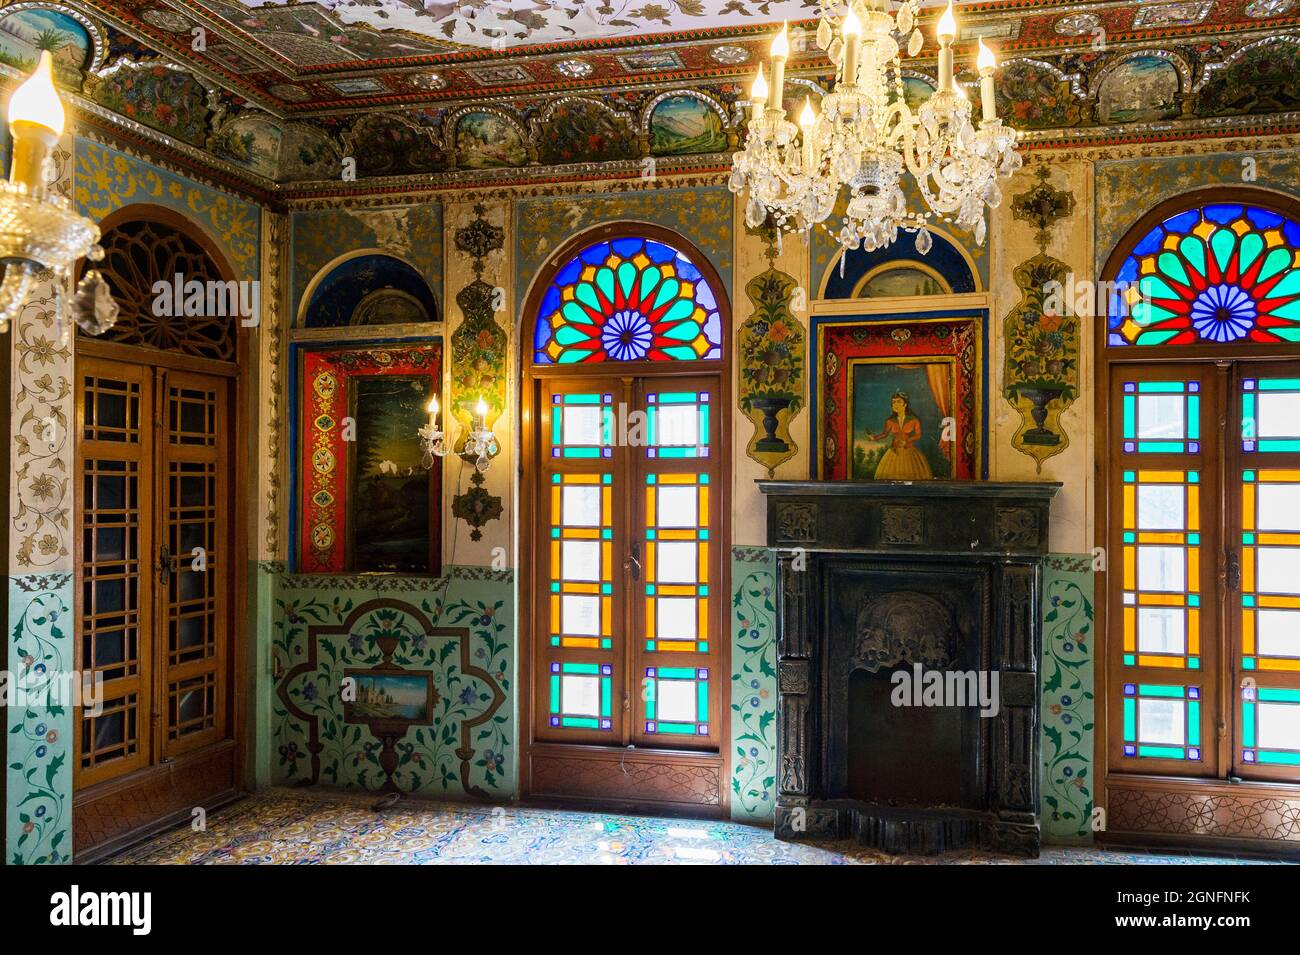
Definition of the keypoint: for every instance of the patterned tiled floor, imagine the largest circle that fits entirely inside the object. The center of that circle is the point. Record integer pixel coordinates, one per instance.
(316, 827)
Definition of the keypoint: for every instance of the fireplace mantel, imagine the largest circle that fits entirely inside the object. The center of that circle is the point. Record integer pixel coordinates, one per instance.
(950, 572)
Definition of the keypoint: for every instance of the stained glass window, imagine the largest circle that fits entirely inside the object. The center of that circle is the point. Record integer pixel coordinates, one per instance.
(677, 700)
(1162, 722)
(1162, 417)
(1161, 573)
(581, 695)
(1270, 726)
(677, 562)
(582, 426)
(582, 584)
(1218, 274)
(630, 299)
(1270, 415)
(678, 424)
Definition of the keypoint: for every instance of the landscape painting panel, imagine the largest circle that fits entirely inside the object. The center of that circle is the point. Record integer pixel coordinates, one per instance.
(23, 35)
(686, 124)
(391, 490)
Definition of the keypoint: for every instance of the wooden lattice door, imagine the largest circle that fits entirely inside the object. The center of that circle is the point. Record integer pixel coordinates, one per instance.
(157, 505)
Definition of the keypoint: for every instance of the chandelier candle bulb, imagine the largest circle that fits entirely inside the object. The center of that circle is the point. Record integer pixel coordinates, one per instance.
(780, 53)
(433, 412)
(852, 41)
(987, 64)
(758, 93)
(35, 122)
(807, 119)
(947, 32)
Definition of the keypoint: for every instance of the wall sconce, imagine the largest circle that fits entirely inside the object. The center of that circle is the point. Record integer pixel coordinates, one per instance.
(39, 230)
(431, 436)
(481, 443)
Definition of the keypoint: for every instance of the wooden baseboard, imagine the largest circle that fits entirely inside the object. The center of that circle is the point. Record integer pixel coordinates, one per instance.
(627, 779)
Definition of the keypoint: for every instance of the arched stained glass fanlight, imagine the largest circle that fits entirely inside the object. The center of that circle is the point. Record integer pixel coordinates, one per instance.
(1217, 274)
(628, 299)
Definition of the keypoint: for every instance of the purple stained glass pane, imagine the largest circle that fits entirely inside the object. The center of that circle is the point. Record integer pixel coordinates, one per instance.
(704, 452)
(555, 668)
(650, 452)
(1193, 753)
(1248, 384)
(1130, 689)
(555, 452)
(1194, 386)
(1193, 692)
(1248, 755)
(1193, 447)
(1130, 387)
(555, 721)
(651, 399)
(608, 399)
(606, 669)
(606, 724)
(704, 729)
(1130, 750)
(607, 452)
(649, 727)
(1248, 445)
(557, 399)
(702, 674)
(649, 671)
(1130, 447)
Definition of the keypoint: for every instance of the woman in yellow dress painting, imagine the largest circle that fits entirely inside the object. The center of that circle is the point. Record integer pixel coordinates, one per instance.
(902, 460)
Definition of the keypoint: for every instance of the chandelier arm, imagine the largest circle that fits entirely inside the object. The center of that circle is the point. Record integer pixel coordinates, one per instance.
(13, 291)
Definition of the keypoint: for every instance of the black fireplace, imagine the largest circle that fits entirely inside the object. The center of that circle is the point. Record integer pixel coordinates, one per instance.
(908, 651)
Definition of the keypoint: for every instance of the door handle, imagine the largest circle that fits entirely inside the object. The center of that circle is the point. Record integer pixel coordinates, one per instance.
(164, 564)
(1232, 573)
(633, 563)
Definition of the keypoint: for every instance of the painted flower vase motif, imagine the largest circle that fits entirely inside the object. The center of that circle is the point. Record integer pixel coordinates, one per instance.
(1039, 434)
(771, 407)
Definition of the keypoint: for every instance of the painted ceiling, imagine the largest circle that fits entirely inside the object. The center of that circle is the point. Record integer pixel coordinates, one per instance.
(488, 90)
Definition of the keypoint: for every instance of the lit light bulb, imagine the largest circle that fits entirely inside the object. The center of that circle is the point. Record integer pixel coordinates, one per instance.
(481, 409)
(433, 405)
(947, 24)
(986, 61)
(807, 117)
(987, 64)
(758, 92)
(852, 25)
(781, 45)
(37, 101)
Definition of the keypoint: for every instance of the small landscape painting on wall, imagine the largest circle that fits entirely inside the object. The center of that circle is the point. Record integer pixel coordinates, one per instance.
(24, 34)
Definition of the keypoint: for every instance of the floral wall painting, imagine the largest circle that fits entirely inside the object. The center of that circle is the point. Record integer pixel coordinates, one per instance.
(486, 140)
(582, 130)
(682, 124)
(252, 141)
(1041, 373)
(753, 684)
(1042, 337)
(772, 362)
(1032, 94)
(156, 94)
(1067, 694)
(74, 43)
(385, 144)
(901, 399)
(1140, 89)
(306, 153)
(1259, 78)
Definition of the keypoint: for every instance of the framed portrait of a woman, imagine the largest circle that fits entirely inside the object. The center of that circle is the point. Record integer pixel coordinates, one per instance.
(901, 400)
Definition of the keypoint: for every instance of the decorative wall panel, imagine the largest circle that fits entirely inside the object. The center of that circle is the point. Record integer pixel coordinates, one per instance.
(753, 683)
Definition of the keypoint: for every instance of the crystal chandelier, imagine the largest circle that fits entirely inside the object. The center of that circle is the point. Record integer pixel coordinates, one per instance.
(866, 137)
(40, 231)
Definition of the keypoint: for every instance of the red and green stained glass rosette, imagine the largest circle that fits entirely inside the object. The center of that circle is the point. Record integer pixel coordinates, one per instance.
(630, 299)
(1218, 274)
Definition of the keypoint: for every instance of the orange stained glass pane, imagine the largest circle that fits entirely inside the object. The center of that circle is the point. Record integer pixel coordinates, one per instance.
(1193, 632)
(1162, 537)
(1193, 507)
(1193, 570)
(703, 572)
(1130, 629)
(1130, 506)
(1248, 570)
(1248, 632)
(1276, 663)
(1130, 568)
(1248, 506)
(1169, 663)
(1278, 600)
(1161, 600)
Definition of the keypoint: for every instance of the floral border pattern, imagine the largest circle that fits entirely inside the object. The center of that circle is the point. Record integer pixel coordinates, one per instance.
(1067, 699)
(753, 685)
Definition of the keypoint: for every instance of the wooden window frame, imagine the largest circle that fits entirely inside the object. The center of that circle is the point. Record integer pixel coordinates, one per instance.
(1150, 806)
(595, 770)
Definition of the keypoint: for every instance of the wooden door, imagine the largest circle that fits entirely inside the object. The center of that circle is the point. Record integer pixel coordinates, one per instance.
(154, 593)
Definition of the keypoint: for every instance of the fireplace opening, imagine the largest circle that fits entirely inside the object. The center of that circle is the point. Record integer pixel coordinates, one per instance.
(901, 755)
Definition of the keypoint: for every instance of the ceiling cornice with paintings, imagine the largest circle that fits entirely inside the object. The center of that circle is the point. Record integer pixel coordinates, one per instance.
(278, 97)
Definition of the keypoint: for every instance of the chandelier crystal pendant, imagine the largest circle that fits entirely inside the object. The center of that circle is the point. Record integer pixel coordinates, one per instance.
(40, 231)
(866, 138)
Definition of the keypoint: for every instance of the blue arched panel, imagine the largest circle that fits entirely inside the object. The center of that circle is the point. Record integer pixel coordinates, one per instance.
(943, 257)
(337, 295)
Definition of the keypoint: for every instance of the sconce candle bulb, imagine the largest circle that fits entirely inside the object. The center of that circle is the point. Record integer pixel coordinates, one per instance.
(36, 120)
(780, 53)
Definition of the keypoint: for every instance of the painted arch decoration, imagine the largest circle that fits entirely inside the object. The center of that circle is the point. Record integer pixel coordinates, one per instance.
(1217, 274)
(628, 299)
